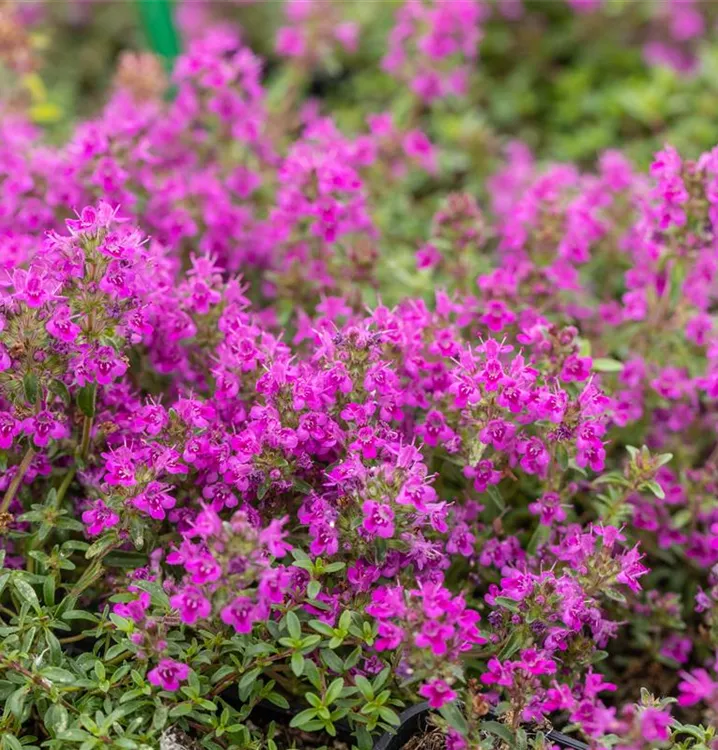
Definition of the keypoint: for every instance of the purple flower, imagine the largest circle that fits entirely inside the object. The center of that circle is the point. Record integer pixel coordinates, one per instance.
(192, 604)
(168, 674)
(99, 518)
(239, 614)
(378, 519)
(438, 693)
(655, 724)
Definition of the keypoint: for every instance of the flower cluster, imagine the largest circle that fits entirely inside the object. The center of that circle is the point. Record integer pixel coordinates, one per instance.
(235, 474)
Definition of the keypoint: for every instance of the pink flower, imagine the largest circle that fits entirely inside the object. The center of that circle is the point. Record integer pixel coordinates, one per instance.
(499, 434)
(434, 635)
(695, 687)
(43, 427)
(378, 519)
(154, 500)
(9, 428)
(192, 604)
(135, 609)
(239, 614)
(390, 636)
(99, 518)
(273, 536)
(203, 569)
(548, 508)
(427, 256)
(61, 326)
(497, 316)
(576, 369)
(168, 674)
(533, 456)
(290, 42)
(438, 693)
(107, 366)
(655, 724)
(419, 147)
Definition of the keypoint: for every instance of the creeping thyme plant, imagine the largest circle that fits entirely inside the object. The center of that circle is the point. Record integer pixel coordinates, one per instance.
(299, 426)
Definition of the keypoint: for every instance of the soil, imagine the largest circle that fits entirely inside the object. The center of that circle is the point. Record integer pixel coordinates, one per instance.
(433, 739)
(175, 739)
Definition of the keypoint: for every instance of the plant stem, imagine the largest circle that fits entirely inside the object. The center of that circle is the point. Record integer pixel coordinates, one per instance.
(73, 638)
(66, 482)
(17, 479)
(61, 490)
(86, 435)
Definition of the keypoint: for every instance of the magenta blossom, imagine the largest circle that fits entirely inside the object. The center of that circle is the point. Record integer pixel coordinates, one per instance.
(438, 693)
(168, 674)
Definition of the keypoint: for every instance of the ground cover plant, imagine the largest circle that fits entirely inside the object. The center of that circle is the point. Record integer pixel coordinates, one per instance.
(333, 411)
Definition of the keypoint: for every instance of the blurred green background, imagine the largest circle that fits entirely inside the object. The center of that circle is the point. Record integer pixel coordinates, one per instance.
(568, 84)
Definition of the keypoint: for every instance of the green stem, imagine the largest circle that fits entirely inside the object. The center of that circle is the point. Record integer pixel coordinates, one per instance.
(61, 490)
(36, 680)
(86, 436)
(92, 573)
(66, 482)
(17, 479)
(73, 638)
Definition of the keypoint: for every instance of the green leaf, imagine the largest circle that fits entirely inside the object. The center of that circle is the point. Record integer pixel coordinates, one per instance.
(334, 691)
(365, 687)
(539, 536)
(614, 595)
(332, 660)
(297, 663)
(26, 593)
(100, 546)
(181, 709)
(364, 738)
(303, 717)
(455, 718)
(312, 674)
(322, 627)
(495, 495)
(48, 590)
(137, 531)
(57, 674)
(31, 387)
(606, 364)
(353, 659)
(313, 589)
(86, 399)
(510, 604)
(512, 645)
(125, 559)
(249, 678)
(499, 730)
(11, 742)
(302, 486)
(56, 718)
(655, 488)
(345, 620)
(16, 702)
(278, 700)
(381, 679)
(293, 626)
(389, 716)
(74, 735)
(60, 389)
(79, 614)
